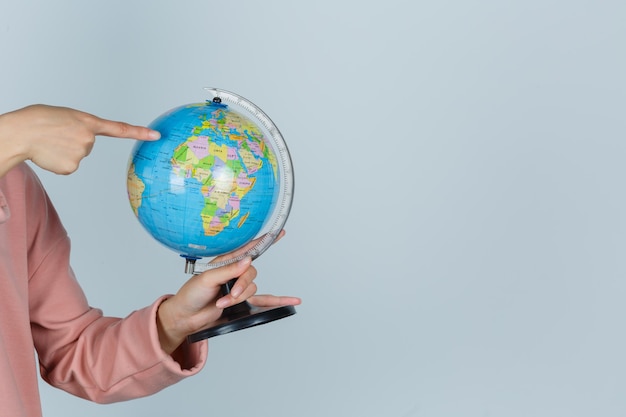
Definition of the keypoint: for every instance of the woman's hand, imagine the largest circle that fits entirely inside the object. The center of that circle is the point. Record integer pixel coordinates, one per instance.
(57, 138)
(199, 302)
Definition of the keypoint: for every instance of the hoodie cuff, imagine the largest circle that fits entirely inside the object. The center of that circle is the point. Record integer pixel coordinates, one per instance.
(188, 359)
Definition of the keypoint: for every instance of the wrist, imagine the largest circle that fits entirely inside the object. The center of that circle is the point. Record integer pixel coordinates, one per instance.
(169, 338)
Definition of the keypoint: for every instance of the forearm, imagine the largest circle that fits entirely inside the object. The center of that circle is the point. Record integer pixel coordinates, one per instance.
(104, 359)
(116, 360)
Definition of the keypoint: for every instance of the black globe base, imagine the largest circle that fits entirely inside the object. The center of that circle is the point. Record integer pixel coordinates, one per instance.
(241, 316)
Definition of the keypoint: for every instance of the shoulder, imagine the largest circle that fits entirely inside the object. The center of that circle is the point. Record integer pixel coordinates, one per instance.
(22, 190)
(19, 177)
(26, 197)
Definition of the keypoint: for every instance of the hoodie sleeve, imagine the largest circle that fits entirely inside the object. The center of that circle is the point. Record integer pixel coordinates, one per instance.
(103, 359)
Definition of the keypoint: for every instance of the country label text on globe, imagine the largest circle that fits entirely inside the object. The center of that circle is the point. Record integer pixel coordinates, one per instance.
(208, 185)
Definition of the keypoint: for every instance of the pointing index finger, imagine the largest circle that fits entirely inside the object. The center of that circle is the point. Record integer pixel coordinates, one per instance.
(124, 130)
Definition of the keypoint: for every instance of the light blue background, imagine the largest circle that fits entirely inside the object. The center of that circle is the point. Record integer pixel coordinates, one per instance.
(459, 229)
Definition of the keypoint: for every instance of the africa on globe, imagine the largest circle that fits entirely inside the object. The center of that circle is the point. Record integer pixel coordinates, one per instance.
(219, 177)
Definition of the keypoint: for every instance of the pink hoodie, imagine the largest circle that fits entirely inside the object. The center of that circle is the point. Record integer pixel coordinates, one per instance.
(42, 307)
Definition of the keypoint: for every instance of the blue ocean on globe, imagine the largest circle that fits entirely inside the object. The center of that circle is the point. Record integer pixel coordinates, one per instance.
(209, 185)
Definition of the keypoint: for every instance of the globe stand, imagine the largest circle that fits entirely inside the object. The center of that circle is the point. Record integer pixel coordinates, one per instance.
(240, 316)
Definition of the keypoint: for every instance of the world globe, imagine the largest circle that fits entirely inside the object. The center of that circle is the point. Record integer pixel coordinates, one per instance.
(219, 181)
(219, 178)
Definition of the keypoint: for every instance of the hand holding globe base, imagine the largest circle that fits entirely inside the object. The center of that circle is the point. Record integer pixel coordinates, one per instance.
(241, 316)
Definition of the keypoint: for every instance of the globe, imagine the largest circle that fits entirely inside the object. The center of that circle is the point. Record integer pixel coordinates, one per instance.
(219, 178)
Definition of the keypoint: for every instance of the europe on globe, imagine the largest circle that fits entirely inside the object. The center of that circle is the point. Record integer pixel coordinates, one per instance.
(215, 179)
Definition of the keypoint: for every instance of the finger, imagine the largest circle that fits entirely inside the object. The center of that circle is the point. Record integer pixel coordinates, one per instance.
(229, 300)
(243, 282)
(281, 234)
(274, 301)
(219, 276)
(111, 128)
